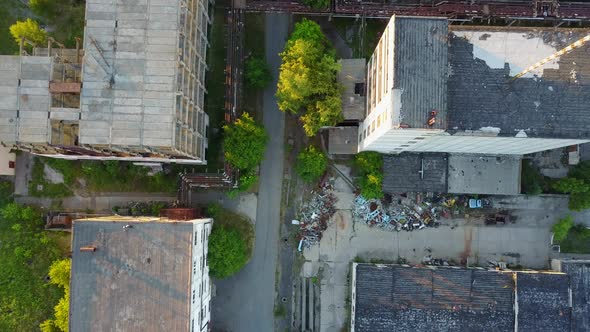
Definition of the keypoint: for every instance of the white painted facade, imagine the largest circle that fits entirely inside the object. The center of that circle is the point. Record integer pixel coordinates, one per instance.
(200, 306)
(383, 128)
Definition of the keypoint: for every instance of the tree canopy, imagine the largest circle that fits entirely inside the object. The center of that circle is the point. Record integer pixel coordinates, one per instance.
(311, 164)
(307, 78)
(30, 30)
(257, 73)
(227, 252)
(244, 143)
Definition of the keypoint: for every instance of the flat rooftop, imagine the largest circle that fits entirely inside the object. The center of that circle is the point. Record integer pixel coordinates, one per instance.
(343, 140)
(394, 297)
(490, 175)
(138, 279)
(552, 101)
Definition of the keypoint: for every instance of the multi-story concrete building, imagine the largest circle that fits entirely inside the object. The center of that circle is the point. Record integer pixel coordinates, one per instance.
(431, 88)
(140, 274)
(135, 91)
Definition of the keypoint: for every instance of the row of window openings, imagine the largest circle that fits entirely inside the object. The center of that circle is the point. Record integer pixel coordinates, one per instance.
(376, 123)
(201, 316)
(201, 287)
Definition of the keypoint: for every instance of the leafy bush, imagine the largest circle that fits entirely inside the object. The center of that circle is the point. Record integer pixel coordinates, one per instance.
(579, 201)
(30, 30)
(257, 73)
(369, 165)
(227, 252)
(577, 240)
(571, 185)
(561, 228)
(26, 253)
(311, 164)
(59, 274)
(6, 192)
(307, 78)
(244, 143)
(581, 171)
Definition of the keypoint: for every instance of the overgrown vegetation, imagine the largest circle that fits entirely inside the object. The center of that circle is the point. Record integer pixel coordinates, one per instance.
(257, 73)
(561, 228)
(577, 240)
(59, 274)
(61, 19)
(532, 181)
(307, 79)
(26, 253)
(317, 4)
(369, 166)
(39, 186)
(230, 242)
(111, 175)
(577, 184)
(311, 164)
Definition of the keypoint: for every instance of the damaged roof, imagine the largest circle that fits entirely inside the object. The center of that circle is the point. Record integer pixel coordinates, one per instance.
(417, 172)
(579, 273)
(402, 298)
(553, 101)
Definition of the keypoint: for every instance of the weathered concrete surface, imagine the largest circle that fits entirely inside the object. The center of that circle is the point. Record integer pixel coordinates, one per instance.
(245, 302)
(245, 204)
(525, 242)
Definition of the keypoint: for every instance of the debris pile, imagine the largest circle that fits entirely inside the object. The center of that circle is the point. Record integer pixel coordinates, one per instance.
(406, 216)
(315, 214)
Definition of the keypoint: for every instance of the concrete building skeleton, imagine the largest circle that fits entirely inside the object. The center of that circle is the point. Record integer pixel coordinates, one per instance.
(135, 92)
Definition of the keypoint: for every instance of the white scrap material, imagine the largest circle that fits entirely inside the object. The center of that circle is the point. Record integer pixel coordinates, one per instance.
(493, 130)
(517, 49)
(521, 134)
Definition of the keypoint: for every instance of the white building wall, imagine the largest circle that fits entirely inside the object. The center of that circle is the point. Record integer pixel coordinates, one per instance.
(200, 312)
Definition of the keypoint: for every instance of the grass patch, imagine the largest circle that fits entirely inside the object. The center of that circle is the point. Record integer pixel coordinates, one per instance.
(27, 251)
(280, 311)
(362, 40)
(41, 187)
(577, 240)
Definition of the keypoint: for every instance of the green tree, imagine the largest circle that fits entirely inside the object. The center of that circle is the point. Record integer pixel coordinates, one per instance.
(45, 8)
(581, 171)
(562, 228)
(257, 73)
(227, 252)
(571, 185)
(579, 201)
(30, 30)
(307, 78)
(311, 164)
(371, 186)
(244, 143)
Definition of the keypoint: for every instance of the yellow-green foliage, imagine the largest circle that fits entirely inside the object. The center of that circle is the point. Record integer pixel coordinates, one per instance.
(307, 78)
(59, 272)
(30, 30)
(244, 143)
(370, 167)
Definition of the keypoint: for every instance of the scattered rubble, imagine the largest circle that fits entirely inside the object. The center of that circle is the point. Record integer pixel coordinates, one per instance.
(314, 215)
(404, 214)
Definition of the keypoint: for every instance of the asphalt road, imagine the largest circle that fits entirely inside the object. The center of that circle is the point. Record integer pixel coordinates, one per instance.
(245, 302)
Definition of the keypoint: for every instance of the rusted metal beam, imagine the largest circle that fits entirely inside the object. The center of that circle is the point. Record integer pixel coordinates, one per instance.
(64, 87)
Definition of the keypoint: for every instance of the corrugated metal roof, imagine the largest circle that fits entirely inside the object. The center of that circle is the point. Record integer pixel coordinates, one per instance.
(420, 69)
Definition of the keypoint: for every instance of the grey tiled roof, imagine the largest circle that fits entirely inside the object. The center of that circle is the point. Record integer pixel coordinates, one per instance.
(579, 273)
(398, 298)
(555, 105)
(421, 68)
(401, 172)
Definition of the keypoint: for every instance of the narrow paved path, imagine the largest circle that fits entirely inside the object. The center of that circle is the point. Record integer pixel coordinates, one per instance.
(245, 302)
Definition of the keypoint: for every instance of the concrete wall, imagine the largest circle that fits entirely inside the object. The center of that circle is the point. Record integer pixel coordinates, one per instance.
(200, 282)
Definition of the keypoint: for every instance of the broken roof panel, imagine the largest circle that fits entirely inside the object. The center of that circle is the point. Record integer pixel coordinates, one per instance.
(352, 76)
(552, 102)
